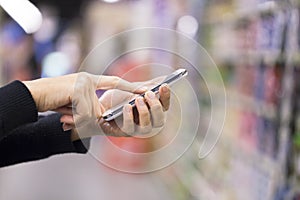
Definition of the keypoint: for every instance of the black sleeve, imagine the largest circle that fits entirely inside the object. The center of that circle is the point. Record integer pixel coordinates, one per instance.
(37, 141)
(17, 107)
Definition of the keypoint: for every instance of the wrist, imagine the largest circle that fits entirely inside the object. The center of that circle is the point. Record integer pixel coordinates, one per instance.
(35, 92)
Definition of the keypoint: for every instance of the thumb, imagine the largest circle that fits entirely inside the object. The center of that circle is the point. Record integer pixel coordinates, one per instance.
(114, 82)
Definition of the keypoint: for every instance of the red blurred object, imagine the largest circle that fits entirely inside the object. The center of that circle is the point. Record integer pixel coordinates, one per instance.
(130, 70)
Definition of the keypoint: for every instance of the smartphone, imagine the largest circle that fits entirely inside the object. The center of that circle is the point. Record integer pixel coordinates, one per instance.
(170, 79)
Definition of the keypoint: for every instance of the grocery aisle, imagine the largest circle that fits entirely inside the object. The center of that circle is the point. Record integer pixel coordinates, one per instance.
(255, 46)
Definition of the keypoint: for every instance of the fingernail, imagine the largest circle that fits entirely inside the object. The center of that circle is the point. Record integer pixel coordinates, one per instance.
(151, 95)
(141, 101)
(66, 127)
(128, 108)
(165, 88)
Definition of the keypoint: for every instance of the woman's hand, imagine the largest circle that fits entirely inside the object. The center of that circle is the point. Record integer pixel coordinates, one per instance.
(74, 95)
(148, 114)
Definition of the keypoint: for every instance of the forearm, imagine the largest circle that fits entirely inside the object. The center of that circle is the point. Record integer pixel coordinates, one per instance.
(38, 140)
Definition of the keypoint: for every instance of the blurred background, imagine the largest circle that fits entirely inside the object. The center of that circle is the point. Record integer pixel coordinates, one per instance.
(254, 43)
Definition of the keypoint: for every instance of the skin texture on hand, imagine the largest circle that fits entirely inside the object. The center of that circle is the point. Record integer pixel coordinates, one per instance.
(75, 92)
(148, 114)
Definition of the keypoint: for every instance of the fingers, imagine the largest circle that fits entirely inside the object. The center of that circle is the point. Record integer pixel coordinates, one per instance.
(65, 110)
(114, 97)
(67, 127)
(68, 122)
(82, 101)
(148, 114)
(150, 111)
(96, 106)
(114, 82)
(68, 119)
(156, 110)
(128, 122)
(153, 82)
(82, 108)
(165, 93)
(145, 125)
(111, 128)
(86, 107)
(85, 101)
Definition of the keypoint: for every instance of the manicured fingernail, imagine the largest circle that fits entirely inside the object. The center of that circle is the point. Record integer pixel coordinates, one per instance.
(128, 108)
(165, 88)
(141, 101)
(66, 127)
(151, 95)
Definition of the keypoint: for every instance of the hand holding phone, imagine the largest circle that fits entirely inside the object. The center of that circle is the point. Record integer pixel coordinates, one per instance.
(170, 79)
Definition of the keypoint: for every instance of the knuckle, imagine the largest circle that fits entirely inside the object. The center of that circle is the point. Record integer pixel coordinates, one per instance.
(156, 108)
(83, 74)
(115, 80)
(145, 129)
(128, 130)
(84, 78)
(159, 120)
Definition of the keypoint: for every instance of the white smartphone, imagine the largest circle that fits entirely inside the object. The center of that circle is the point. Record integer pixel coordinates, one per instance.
(170, 79)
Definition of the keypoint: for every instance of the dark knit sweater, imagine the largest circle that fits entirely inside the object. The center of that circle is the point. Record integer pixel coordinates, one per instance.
(25, 138)
(17, 107)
